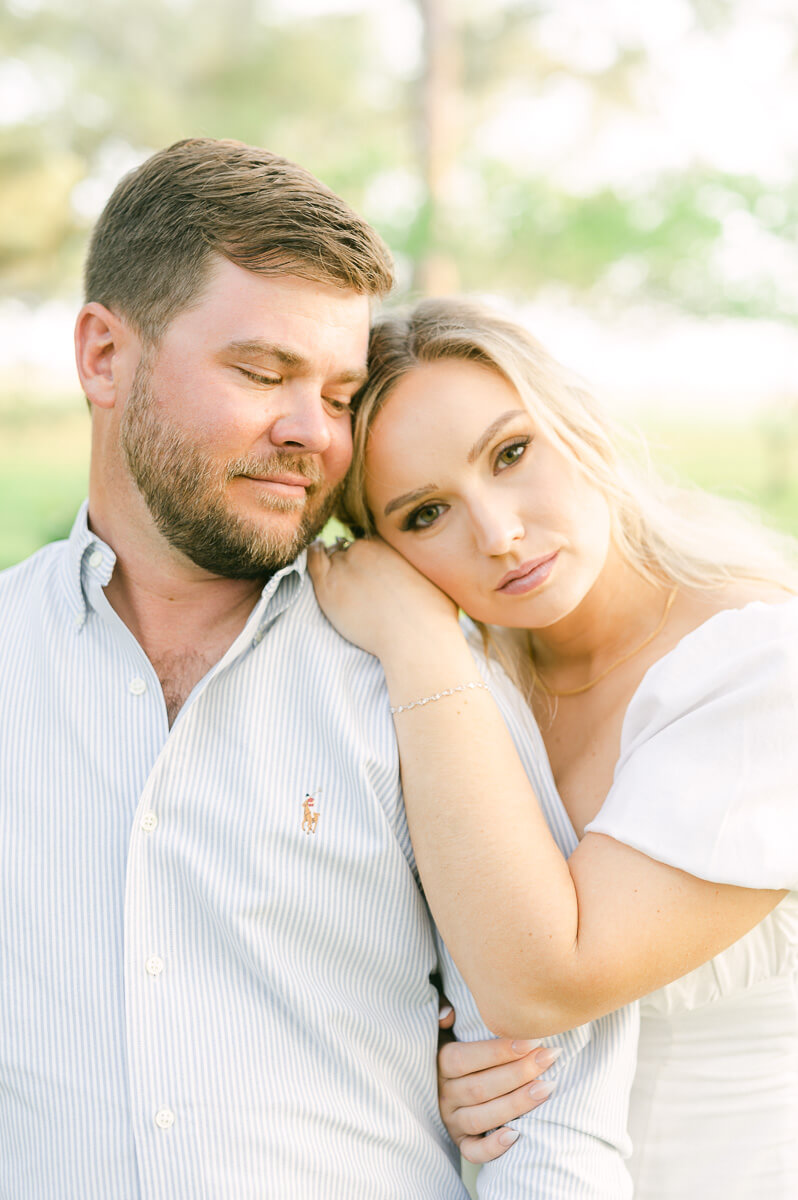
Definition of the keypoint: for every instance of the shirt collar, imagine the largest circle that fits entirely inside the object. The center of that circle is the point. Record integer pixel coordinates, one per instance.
(87, 557)
(91, 561)
(278, 594)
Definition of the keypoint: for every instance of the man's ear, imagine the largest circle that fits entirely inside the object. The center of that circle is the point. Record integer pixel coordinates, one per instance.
(100, 336)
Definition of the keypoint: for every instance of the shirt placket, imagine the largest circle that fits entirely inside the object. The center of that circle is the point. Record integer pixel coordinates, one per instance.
(169, 1142)
(161, 1111)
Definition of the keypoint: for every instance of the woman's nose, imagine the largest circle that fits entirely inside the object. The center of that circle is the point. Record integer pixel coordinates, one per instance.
(496, 530)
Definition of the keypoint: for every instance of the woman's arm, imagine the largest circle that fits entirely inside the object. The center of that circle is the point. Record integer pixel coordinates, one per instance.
(544, 944)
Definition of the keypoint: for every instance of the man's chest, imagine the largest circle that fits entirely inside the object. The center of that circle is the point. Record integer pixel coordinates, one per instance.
(178, 672)
(268, 819)
(218, 949)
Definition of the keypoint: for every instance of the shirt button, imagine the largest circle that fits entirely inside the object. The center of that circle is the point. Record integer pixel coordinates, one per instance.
(153, 965)
(138, 687)
(164, 1118)
(149, 822)
(95, 558)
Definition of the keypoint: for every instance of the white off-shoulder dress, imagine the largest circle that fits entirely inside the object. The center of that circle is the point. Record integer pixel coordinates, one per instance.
(707, 780)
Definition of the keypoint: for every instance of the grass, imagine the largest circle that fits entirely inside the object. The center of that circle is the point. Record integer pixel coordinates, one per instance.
(44, 454)
(44, 457)
(756, 463)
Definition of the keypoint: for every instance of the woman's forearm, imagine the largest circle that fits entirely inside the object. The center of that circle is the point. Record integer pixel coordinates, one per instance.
(498, 886)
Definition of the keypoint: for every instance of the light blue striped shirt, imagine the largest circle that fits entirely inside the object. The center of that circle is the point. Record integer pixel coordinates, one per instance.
(200, 998)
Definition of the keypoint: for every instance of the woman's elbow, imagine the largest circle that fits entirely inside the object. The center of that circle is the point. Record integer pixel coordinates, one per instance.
(524, 1016)
(518, 1010)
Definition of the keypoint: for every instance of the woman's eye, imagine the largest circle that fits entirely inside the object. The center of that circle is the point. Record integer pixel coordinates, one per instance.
(509, 455)
(422, 518)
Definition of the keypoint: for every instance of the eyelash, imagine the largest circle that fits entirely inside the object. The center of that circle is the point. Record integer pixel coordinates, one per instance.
(410, 525)
(338, 406)
(520, 443)
(268, 380)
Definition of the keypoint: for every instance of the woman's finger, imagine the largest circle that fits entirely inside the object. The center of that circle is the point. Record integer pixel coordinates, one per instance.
(482, 1087)
(492, 1145)
(464, 1058)
(482, 1118)
(445, 1014)
(318, 562)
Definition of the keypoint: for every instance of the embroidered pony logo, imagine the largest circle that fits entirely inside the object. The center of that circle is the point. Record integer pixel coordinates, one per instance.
(310, 819)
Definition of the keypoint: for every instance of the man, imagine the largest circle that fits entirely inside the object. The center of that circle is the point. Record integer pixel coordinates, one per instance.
(215, 953)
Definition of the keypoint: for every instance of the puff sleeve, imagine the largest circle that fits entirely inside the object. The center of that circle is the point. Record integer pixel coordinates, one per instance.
(707, 778)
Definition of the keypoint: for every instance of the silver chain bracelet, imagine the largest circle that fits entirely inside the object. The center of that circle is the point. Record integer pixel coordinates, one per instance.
(461, 687)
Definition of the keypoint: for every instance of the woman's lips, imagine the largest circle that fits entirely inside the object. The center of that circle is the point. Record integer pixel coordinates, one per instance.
(528, 576)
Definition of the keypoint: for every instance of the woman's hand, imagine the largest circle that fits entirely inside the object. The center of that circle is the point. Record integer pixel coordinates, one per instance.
(483, 1085)
(374, 598)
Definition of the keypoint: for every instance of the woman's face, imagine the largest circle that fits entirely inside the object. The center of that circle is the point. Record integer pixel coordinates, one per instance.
(462, 483)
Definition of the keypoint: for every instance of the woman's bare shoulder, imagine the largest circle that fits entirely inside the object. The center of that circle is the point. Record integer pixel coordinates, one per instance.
(697, 606)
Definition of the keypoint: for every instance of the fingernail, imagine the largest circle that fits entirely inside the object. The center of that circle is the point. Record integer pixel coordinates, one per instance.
(444, 1012)
(541, 1089)
(522, 1047)
(548, 1055)
(508, 1136)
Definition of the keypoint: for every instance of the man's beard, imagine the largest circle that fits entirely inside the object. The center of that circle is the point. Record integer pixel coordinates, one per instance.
(186, 493)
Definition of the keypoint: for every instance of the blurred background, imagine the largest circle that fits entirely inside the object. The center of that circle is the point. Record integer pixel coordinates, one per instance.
(622, 177)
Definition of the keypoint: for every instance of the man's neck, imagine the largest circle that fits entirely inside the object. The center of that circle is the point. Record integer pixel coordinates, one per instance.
(167, 611)
(183, 617)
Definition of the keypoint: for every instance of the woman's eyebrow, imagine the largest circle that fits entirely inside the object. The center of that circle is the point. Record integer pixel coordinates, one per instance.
(493, 428)
(473, 455)
(408, 498)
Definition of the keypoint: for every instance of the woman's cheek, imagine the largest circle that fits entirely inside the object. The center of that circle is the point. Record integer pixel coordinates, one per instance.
(420, 557)
(454, 582)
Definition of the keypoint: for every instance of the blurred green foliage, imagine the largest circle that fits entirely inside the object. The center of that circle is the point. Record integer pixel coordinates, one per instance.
(101, 85)
(115, 81)
(44, 455)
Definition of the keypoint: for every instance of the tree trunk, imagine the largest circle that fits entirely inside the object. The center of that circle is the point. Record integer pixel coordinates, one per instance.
(436, 271)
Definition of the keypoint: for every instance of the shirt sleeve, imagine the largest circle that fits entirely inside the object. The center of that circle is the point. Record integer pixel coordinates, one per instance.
(707, 778)
(574, 1146)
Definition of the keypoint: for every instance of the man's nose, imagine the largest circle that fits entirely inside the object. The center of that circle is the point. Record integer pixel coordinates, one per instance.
(496, 529)
(303, 423)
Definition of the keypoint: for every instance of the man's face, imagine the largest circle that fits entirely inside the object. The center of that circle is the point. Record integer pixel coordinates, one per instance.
(236, 429)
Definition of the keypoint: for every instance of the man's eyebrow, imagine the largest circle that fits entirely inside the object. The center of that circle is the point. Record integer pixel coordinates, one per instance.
(493, 428)
(256, 348)
(357, 375)
(408, 498)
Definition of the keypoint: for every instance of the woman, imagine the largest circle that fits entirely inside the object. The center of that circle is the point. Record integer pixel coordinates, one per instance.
(656, 635)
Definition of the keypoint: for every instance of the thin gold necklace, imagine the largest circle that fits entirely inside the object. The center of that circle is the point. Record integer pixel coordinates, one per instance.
(603, 674)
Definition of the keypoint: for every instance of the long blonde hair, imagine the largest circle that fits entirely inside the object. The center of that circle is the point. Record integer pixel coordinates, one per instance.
(679, 535)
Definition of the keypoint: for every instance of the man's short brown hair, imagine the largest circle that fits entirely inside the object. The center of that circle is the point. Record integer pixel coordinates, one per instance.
(152, 247)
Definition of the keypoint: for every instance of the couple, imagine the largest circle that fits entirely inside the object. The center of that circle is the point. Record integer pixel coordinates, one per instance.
(216, 955)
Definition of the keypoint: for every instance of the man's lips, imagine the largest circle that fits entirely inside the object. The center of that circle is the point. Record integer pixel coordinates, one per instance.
(528, 576)
(283, 484)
